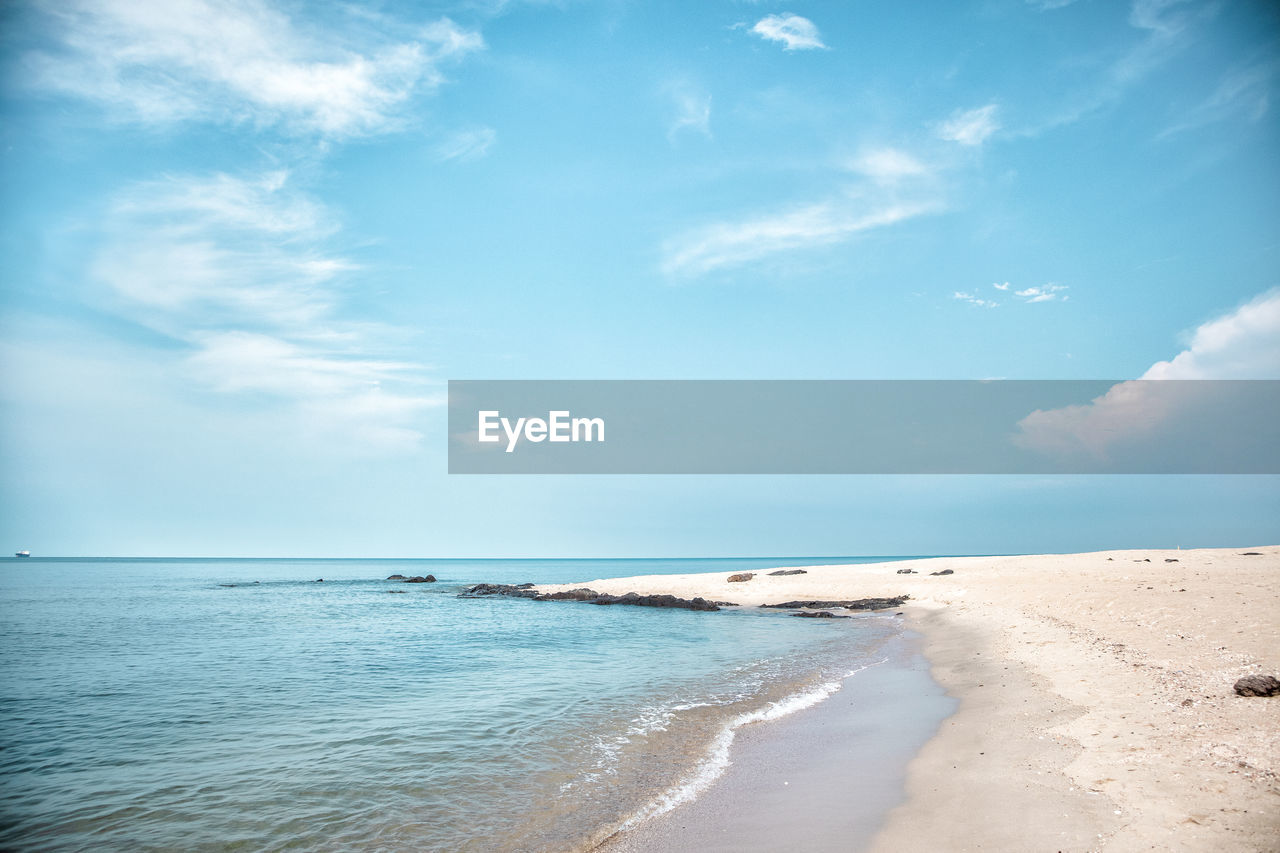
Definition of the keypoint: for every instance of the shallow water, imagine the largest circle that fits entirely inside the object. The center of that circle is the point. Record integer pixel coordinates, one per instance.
(146, 705)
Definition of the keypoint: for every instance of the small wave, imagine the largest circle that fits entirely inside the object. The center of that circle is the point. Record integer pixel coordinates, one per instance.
(717, 759)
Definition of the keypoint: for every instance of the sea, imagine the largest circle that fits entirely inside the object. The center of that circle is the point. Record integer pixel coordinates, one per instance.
(246, 704)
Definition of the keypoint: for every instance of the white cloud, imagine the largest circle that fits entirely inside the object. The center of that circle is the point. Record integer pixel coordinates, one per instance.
(974, 299)
(733, 244)
(691, 111)
(158, 61)
(467, 144)
(795, 32)
(233, 269)
(1244, 344)
(970, 127)
(1044, 293)
(889, 165)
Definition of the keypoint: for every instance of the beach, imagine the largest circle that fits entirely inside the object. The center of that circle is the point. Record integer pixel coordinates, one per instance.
(1095, 711)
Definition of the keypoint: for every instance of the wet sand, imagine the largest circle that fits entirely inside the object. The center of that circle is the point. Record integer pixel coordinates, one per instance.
(1096, 708)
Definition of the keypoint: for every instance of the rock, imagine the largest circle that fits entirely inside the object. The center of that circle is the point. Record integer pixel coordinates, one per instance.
(481, 590)
(1251, 554)
(876, 603)
(906, 571)
(396, 578)
(741, 577)
(1109, 559)
(638, 600)
(1170, 559)
(785, 572)
(582, 594)
(395, 591)
(1147, 560)
(319, 580)
(847, 604)
(591, 596)
(1258, 685)
(226, 584)
(820, 614)
(943, 572)
(421, 579)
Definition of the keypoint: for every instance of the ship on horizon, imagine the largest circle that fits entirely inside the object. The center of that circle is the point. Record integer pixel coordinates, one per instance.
(22, 553)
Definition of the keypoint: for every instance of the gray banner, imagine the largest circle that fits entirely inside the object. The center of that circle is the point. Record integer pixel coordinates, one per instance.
(864, 427)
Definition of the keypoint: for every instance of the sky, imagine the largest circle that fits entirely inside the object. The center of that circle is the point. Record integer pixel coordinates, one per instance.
(246, 244)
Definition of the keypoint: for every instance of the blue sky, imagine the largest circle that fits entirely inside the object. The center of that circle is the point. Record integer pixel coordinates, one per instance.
(247, 243)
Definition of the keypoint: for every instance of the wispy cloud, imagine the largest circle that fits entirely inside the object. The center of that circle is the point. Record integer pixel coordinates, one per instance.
(1041, 293)
(233, 269)
(733, 244)
(1243, 92)
(888, 165)
(970, 127)
(162, 61)
(691, 110)
(974, 299)
(793, 31)
(467, 145)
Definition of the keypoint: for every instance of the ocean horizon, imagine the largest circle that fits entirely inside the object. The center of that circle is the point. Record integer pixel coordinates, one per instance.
(245, 703)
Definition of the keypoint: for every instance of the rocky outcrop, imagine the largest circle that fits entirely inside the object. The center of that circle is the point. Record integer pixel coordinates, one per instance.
(784, 572)
(741, 577)
(820, 614)
(421, 579)
(1258, 685)
(397, 578)
(847, 604)
(592, 597)
(482, 590)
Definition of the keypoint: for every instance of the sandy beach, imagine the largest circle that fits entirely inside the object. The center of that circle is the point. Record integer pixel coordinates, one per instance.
(1096, 709)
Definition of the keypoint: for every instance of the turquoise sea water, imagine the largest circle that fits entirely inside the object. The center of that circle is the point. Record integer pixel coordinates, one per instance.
(240, 705)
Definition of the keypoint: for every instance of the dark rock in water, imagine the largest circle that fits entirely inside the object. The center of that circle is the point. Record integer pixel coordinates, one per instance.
(943, 572)
(1251, 554)
(319, 580)
(876, 603)
(906, 571)
(394, 591)
(783, 572)
(588, 595)
(483, 589)
(421, 579)
(226, 584)
(656, 601)
(820, 614)
(741, 577)
(396, 578)
(847, 604)
(1170, 560)
(1258, 685)
(580, 594)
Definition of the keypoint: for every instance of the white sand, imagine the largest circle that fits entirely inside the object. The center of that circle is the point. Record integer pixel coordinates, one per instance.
(1096, 703)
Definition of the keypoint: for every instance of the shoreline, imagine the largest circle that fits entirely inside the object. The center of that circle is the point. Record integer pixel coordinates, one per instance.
(1095, 696)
